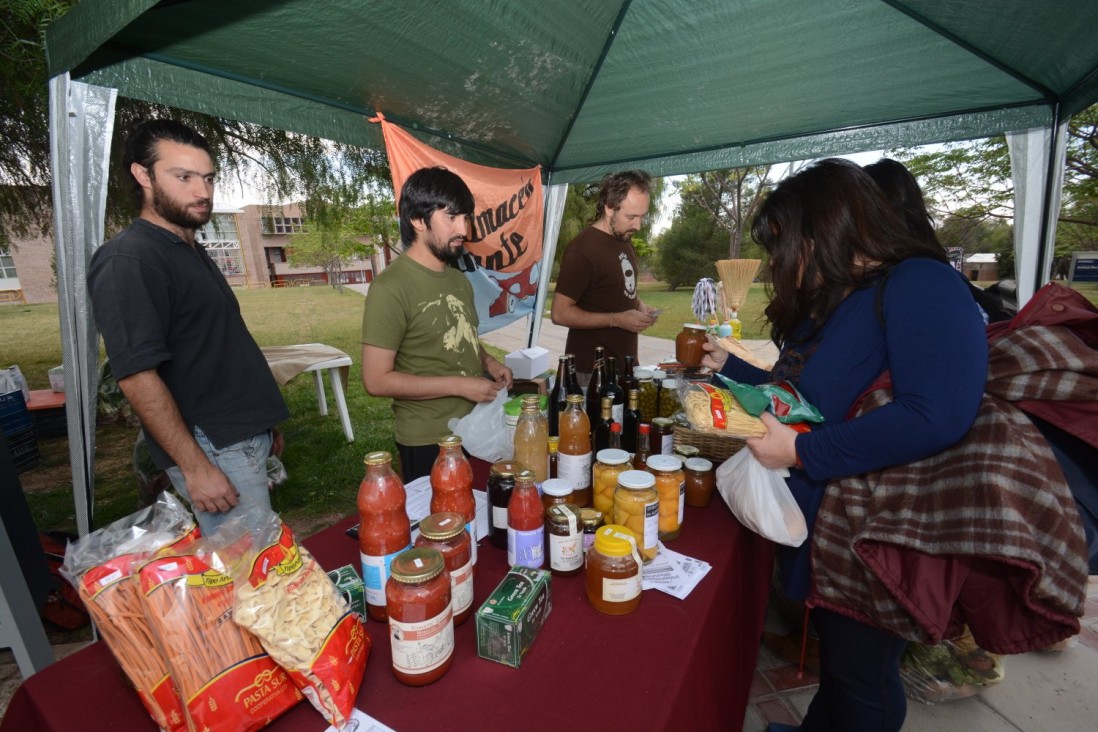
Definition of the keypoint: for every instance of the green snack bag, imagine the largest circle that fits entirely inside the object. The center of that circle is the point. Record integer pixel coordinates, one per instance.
(782, 399)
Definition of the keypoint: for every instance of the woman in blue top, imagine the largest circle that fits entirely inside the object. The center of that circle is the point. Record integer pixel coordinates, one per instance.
(854, 294)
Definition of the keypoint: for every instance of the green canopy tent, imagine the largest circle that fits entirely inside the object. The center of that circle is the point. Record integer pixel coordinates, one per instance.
(581, 87)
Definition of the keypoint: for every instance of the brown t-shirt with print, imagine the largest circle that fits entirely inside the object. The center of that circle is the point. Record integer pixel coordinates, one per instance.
(599, 272)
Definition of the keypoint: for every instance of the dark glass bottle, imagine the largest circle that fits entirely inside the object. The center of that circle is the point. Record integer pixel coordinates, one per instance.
(594, 388)
(627, 380)
(557, 397)
(630, 421)
(612, 390)
(640, 457)
(602, 427)
(573, 383)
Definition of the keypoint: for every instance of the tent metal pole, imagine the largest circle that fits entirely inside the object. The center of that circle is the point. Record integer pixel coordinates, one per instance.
(1041, 271)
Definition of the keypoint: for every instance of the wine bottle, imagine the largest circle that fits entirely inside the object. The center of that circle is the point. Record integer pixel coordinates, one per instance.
(630, 421)
(612, 390)
(557, 397)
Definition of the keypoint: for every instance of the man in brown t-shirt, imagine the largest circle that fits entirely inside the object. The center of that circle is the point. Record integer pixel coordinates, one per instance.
(596, 295)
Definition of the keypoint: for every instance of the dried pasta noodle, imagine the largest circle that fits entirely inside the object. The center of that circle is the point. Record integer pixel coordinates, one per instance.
(739, 422)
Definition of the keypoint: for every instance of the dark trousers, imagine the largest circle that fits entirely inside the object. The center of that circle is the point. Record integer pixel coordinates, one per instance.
(860, 687)
(416, 460)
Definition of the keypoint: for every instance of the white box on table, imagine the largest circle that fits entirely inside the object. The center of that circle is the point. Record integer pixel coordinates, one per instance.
(528, 363)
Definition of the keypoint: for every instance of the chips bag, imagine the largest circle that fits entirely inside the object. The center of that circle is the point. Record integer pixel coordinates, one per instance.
(780, 398)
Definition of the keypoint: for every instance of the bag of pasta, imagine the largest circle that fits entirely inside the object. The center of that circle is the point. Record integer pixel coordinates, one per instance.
(714, 410)
(296, 611)
(227, 681)
(102, 566)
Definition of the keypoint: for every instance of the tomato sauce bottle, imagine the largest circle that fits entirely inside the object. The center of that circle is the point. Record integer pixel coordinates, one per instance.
(383, 530)
(525, 524)
(452, 486)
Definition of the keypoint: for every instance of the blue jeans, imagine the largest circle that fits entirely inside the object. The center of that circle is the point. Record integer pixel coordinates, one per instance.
(243, 463)
(860, 686)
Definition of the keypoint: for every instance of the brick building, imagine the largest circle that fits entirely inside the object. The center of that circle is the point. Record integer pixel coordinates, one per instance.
(250, 245)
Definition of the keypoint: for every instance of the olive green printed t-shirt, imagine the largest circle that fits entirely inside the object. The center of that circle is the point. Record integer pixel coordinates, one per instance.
(429, 319)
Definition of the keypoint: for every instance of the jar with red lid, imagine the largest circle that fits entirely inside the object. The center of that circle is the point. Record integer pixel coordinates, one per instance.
(421, 620)
(383, 528)
(452, 486)
(688, 344)
(701, 481)
(446, 533)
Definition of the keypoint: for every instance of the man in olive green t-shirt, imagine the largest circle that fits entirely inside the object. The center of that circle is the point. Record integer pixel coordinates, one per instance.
(419, 326)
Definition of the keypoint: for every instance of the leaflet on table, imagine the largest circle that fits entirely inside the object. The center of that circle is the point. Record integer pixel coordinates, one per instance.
(361, 722)
(673, 573)
(418, 505)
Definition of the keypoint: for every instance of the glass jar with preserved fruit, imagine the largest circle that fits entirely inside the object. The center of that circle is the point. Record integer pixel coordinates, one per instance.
(446, 533)
(610, 463)
(661, 436)
(556, 491)
(701, 481)
(613, 580)
(452, 486)
(564, 537)
(421, 621)
(592, 522)
(501, 481)
(637, 508)
(670, 484)
(383, 529)
(688, 344)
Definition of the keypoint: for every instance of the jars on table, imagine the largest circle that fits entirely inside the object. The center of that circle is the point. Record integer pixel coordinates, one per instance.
(604, 480)
(564, 534)
(525, 524)
(383, 529)
(446, 533)
(685, 452)
(670, 484)
(701, 481)
(661, 437)
(556, 491)
(592, 522)
(531, 439)
(637, 508)
(574, 451)
(452, 486)
(421, 622)
(644, 449)
(613, 580)
(688, 344)
(501, 481)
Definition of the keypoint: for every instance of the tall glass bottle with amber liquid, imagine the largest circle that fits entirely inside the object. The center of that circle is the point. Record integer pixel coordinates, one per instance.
(574, 451)
(532, 440)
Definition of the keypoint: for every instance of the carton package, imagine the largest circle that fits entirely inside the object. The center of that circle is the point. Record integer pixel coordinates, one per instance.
(510, 619)
(528, 363)
(350, 585)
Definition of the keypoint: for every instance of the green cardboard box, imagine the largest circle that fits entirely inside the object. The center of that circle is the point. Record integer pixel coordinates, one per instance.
(351, 587)
(513, 614)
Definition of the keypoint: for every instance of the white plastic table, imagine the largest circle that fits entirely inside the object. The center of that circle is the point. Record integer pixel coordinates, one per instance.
(286, 362)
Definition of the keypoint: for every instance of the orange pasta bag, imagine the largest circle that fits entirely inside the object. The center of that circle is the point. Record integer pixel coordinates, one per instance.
(290, 603)
(102, 566)
(227, 681)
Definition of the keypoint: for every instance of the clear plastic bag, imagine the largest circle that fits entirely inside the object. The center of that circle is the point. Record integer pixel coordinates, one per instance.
(948, 671)
(482, 430)
(761, 500)
(11, 379)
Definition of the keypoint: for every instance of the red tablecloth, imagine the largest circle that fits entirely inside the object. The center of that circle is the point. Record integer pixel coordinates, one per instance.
(671, 664)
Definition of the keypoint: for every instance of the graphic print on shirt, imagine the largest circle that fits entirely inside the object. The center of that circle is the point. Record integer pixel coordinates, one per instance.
(629, 276)
(458, 334)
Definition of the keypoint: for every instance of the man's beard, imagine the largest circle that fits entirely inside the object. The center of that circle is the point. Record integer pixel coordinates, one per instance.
(173, 212)
(623, 235)
(445, 253)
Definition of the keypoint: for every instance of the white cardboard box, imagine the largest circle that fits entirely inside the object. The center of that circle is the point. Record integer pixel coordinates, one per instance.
(528, 363)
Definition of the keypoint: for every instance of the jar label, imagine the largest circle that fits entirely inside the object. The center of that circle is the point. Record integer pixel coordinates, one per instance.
(499, 517)
(667, 444)
(375, 571)
(461, 587)
(472, 529)
(524, 548)
(617, 411)
(423, 646)
(651, 525)
(576, 469)
(565, 552)
(621, 590)
(682, 499)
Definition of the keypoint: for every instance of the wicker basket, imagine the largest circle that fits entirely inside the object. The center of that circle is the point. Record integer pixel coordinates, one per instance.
(713, 446)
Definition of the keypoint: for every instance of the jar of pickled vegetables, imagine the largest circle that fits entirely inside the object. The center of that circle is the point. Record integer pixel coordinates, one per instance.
(701, 481)
(556, 491)
(421, 621)
(446, 532)
(564, 536)
(592, 522)
(611, 463)
(671, 485)
(637, 508)
(613, 580)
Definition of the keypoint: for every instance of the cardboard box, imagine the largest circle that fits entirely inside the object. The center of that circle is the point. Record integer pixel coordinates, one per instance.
(511, 617)
(528, 363)
(350, 585)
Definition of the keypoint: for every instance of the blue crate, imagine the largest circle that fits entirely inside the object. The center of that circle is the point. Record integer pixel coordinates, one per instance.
(14, 415)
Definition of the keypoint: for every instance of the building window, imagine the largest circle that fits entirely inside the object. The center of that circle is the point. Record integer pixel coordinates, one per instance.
(222, 243)
(282, 225)
(7, 264)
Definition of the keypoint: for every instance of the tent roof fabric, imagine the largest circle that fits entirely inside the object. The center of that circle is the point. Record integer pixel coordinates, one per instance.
(585, 87)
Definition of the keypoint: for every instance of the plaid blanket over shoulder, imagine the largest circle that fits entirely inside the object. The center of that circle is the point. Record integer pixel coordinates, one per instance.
(985, 532)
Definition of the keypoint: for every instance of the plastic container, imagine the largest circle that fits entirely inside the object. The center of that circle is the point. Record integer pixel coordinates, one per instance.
(637, 508)
(610, 464)
(446, 533)
(613, 580)
(421, 622)
(671, 485)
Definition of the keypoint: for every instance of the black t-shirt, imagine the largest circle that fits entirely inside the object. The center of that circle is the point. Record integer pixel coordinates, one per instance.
(163, 304)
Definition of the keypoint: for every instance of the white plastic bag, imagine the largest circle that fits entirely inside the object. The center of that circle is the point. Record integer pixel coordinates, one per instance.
(11, 379)
(482, 430)
(760, 499)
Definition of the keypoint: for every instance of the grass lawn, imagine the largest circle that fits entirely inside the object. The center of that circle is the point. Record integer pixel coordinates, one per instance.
(324, 470)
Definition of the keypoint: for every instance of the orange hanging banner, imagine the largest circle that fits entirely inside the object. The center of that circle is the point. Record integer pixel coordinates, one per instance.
(507, 224)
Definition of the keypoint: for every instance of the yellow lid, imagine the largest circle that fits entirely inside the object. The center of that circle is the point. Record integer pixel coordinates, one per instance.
(450, 441)
(613, 540)
(378, 458)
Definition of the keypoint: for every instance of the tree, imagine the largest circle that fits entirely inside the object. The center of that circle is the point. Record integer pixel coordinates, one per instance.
(689, 248)
(282, 164)
(331, 237)
(731, 197)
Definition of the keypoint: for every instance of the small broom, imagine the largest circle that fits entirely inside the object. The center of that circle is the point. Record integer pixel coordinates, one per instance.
(736, 278)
